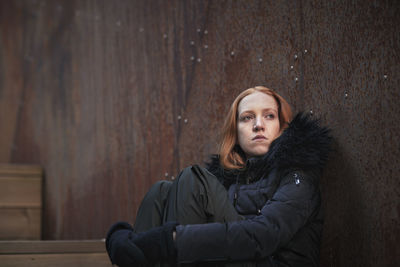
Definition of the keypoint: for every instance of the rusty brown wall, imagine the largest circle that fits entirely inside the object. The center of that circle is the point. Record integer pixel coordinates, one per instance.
(111, 96)
(352, 78)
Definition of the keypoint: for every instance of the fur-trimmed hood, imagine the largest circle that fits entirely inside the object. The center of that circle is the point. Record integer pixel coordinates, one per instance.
(304, 145)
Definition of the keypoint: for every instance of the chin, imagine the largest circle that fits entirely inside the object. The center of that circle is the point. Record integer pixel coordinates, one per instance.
(259, 152)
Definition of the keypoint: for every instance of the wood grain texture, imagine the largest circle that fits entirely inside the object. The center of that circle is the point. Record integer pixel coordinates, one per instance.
(61, 260)
(54, 253)
(20, 170)
(52, 247)
(111, 96)
(20, 192)
(20, 201)
(20, 223)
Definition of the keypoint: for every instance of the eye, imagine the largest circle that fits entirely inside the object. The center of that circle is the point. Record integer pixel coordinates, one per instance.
(270, 116)
(246, 117)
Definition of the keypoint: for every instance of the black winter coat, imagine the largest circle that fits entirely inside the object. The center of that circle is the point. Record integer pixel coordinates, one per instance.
(278, 195)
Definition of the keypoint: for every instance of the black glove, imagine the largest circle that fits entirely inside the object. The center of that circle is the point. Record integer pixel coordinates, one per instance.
(157, 244)
(121, 248)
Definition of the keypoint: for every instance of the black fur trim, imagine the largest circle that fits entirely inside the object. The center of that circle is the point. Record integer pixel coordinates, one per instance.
(304, 145)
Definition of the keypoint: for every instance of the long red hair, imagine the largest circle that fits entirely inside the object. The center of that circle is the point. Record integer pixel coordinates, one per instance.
(230, 157)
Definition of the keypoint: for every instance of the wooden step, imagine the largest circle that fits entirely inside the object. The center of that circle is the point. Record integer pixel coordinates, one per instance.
(61, 253)
(20, 201)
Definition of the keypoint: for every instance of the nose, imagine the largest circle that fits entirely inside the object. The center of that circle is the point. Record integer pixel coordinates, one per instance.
(258, 125)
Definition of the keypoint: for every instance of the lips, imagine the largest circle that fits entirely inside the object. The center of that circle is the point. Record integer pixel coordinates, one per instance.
(259, 137)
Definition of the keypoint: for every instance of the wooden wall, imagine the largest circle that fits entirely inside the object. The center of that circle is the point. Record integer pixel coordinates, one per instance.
(111, 96)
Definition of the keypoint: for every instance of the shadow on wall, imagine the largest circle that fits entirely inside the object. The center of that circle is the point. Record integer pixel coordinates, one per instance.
(344, 237)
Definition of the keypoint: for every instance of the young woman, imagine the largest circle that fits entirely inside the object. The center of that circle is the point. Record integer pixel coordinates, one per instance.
(256, 204)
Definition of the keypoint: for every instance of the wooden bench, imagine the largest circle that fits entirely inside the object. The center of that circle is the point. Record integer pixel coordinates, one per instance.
(20, 202)
(20, 226)
(86, 253)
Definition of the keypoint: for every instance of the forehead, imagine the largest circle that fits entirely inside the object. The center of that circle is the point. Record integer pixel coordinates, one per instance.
(257, 101)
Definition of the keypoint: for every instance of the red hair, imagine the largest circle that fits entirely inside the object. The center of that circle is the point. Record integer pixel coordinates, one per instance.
(230, 157)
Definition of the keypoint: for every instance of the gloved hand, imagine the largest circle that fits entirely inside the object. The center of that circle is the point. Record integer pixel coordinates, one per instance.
(126, 248)
(157, 244)
(121, 248)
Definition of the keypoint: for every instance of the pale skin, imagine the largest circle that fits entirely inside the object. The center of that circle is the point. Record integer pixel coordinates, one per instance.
(258, 123)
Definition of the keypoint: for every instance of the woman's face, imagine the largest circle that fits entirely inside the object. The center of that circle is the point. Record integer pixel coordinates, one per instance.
(258, 123)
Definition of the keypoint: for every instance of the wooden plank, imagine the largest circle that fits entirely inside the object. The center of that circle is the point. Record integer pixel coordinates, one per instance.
(20, 223)
(59, 260)
(52, 246)
(54, 253)
(20, 170)
(20, 191)
(20, 201)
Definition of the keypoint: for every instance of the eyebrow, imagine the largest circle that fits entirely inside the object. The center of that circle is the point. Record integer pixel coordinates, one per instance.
(266, 109)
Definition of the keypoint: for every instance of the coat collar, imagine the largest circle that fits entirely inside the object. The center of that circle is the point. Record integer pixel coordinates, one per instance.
(303, 145)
